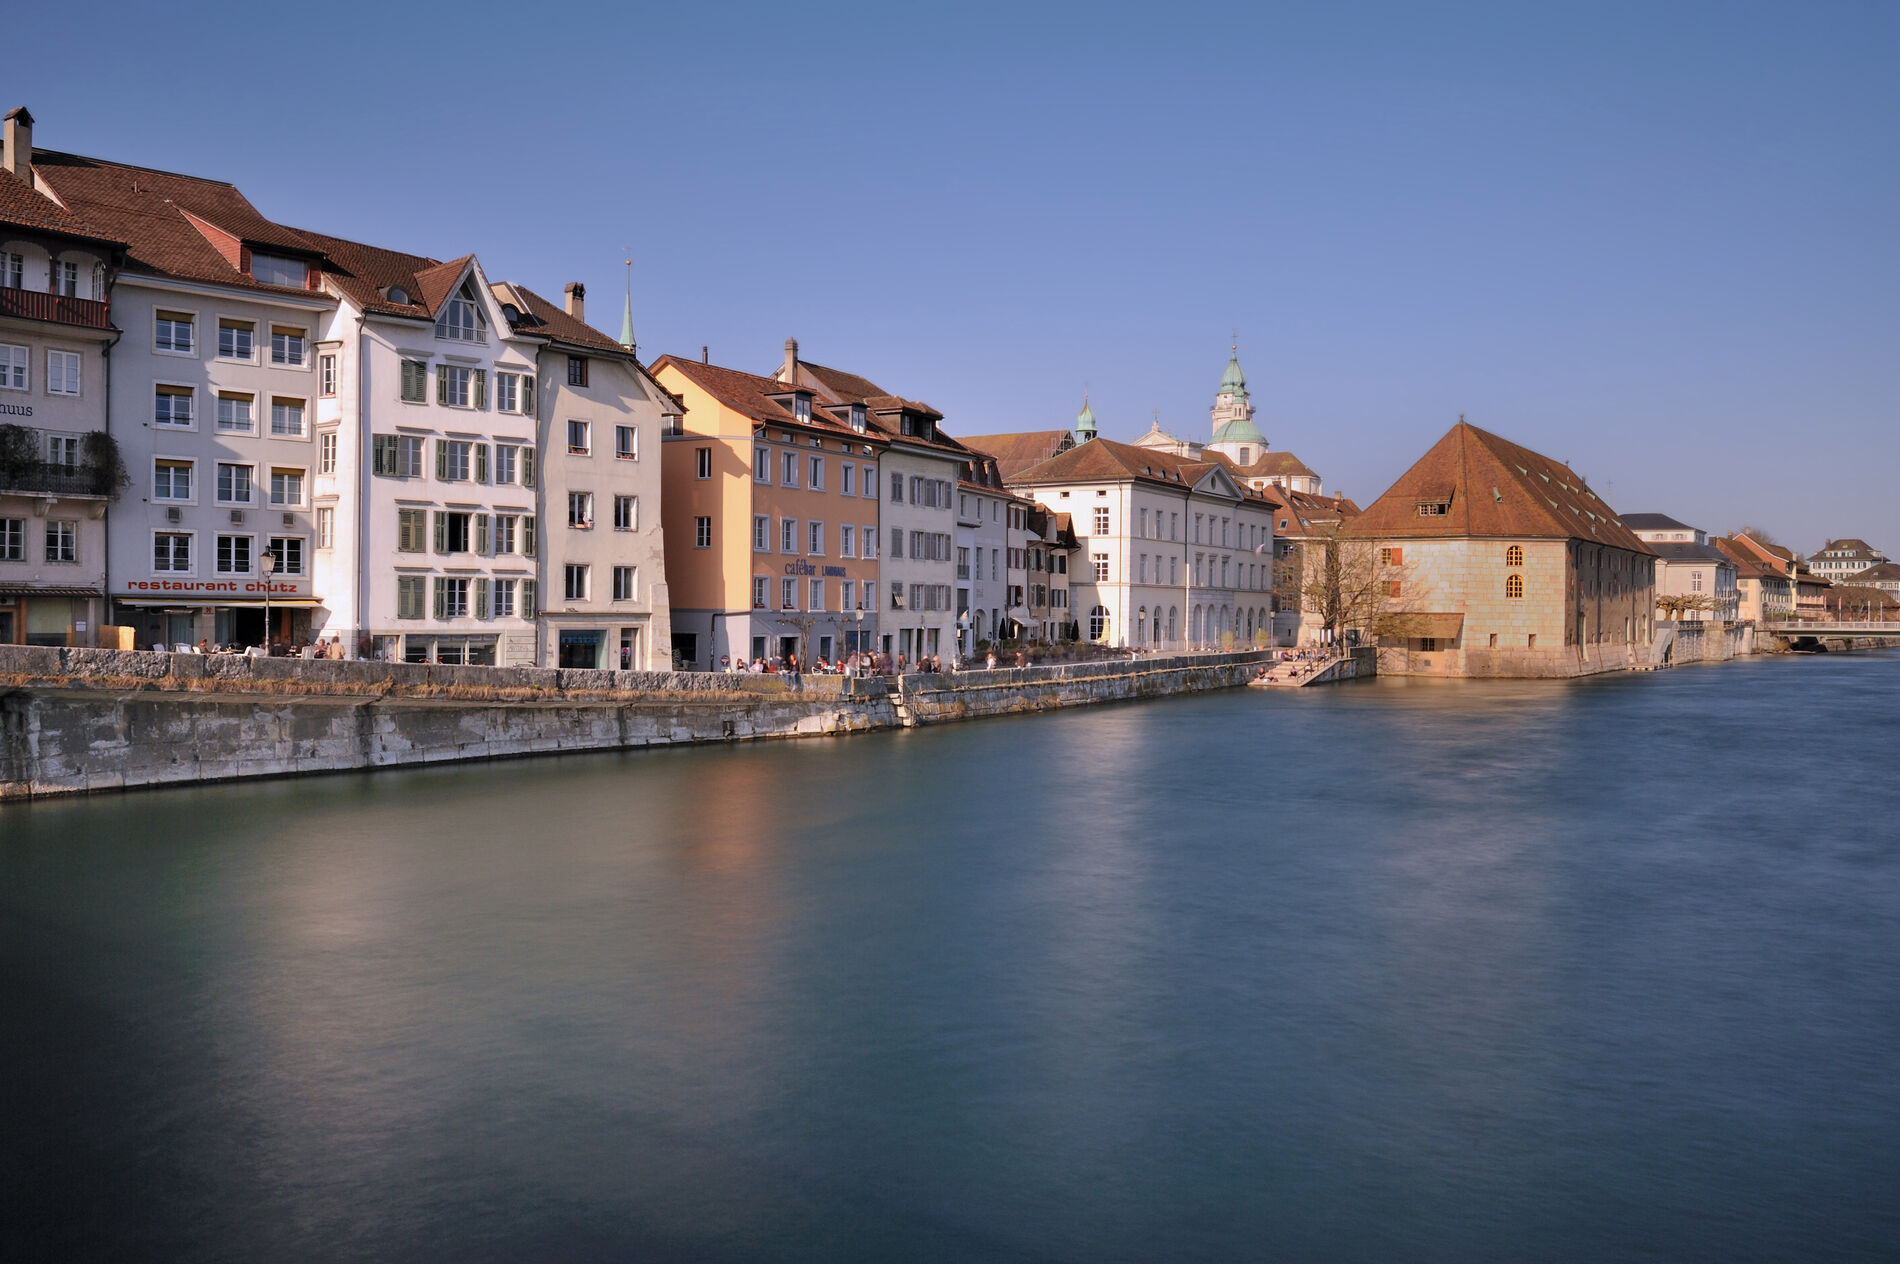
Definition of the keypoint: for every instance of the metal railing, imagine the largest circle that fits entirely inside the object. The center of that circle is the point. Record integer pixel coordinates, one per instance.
(59, 308)
(48, 478)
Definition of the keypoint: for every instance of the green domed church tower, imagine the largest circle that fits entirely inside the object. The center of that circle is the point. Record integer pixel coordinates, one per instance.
(1235, 435)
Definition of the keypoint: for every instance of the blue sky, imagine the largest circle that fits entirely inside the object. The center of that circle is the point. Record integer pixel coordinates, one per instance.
(1655, 240)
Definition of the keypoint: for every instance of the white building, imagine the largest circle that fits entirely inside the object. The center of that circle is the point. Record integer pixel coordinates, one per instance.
(984, 511)
(57, 469)
(213, 392)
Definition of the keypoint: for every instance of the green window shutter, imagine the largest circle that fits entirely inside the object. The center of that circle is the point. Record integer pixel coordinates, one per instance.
(442, 459)
(527, 467)
(441, 532)
(441, 597)
(527, 395)
(481, 462)
(481, 599)
(527, 536)
(481, 388)
(441, 383)
(385, 451)
(528, 610)
(481, 535)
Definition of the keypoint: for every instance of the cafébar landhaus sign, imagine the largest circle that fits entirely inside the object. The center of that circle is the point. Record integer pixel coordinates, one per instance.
(227, 589)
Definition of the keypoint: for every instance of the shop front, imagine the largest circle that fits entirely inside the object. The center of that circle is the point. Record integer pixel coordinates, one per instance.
(63, 616)
(239, 612)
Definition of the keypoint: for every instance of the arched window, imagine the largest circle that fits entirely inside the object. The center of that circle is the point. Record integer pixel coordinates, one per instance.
(1156, 638)
(1174, 624)
(1141, 626)
(1514, 556)
(1098, 623)
(1514, 586)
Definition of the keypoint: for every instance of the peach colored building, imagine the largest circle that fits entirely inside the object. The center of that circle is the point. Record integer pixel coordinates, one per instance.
(771, 517)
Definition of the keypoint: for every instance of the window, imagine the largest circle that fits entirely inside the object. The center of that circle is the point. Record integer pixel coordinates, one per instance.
(815, 595)
(175, 332)
(702, 463)
(1101, 568)
(580, 439)
(580, 510)
(14, 374)
(1392, 557)
(286, 488)
(171, 406)
(62, 373)
(171, 552)
(897, 489)
(62, 541)
(1392, 588)
(869, 537)
(847, 538)
(897, 543)
(761, 533)
(12, 539)
(288, 550)
(452, 532)
(1514, 586)
(788, 594)
(626, 443)
(788, 535)
(277, 270)
(234, 555)
(326, 528)
(1433, 508)
(326, 452)
(286, 418)
(234, 413)
(575, 585)
(503, 606)
(288, 346)
(415, 385)
(847, 594)
(410, 527)
(817, 480)
(702, 533)
(1514, 556)
(1101, 520)
(326, 374)
(12, 271)
(897, 596)
(171, 480)
(461, 319)
(66, 278)
(460, 387)
(815, 539)
(505, 532)
(623, 583)
(409, 596)
(626, 513)
(234, 484)
(761, 465)
(1098, 623)
(576, 371)
(845, 479)
(760, 593)
(451, 598)
(788, 470)
(801, 407)
(236, 340)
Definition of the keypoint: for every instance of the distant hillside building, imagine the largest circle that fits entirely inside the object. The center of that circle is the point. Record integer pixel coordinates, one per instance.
(1503, 562)
(1843, 559)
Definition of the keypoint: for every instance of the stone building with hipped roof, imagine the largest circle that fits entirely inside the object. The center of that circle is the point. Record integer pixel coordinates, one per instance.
(1504, 562)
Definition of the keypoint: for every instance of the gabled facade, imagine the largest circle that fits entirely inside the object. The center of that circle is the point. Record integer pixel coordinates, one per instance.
(985, 510)
(1695, 581)
(58, 472)
(1171, 553)
(1839, 560)
(1506, 563)
(1305, 525)
(770, 503)
(1764, 593)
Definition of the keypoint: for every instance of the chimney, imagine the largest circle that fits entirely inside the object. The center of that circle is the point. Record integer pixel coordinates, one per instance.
(705, 354)
(19, 141)
(577, 301)
(790, 376)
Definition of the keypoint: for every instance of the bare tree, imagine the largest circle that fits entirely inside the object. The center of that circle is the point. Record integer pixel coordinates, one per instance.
(1354, 585)
(1759, 534)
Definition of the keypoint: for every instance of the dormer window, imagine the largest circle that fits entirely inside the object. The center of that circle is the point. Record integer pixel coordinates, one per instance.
(461, 318)
(801, 407)
(1433, 508)
(857, 418)
(277, 270)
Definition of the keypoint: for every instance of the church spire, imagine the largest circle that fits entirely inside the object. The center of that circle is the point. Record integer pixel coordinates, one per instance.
(626, 315)
(1232, 414)
(1085, 420)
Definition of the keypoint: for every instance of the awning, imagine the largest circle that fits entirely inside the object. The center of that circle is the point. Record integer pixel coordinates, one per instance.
(1445, 627)
(194, 602)
(51, 590)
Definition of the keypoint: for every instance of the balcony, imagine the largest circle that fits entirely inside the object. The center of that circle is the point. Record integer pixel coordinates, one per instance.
(58, 308)
(44, 478)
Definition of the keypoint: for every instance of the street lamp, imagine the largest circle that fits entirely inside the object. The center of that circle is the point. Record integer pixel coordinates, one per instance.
(268, 565)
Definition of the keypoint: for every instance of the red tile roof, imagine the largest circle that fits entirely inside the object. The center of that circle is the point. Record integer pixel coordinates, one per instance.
(1492, 487)
(1015, 453)
(24, 207)
(750, 395)
(1268, 465)
(1109, 460)
(365, 273)
(849, 388)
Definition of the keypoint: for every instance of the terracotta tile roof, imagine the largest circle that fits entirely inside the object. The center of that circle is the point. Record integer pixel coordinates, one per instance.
(1305, 513)
(1851, 548)
(364, 273)
(1015, 453)
(153, 212)
(849, 388)
(1268, 465)
(547, 320)
(1885, 572)
(1492, 487)
(750, 395)
(1108, 460)
(24, 207)
(438, 283)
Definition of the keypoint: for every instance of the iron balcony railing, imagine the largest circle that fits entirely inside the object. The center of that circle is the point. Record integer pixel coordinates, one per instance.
(59, 308)
(48, 478)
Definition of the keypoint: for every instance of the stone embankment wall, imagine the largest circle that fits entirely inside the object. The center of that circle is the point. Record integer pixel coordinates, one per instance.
(78, 720)
(938, 699)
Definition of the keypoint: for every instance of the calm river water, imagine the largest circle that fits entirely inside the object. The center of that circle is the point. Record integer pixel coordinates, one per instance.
(1595, 971)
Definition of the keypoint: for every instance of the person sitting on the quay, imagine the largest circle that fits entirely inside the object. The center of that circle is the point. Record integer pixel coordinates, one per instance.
(991, 661)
